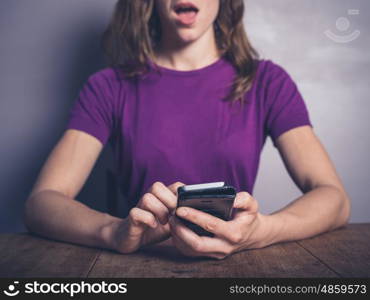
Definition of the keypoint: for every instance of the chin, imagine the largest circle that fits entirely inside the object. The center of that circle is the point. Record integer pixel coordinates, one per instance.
(188, 37)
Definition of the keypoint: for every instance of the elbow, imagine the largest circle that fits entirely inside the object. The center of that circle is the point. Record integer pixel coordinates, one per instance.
(27, 215)
(341, 208)
(344, 213)
(341, 205)
(30, 212)
(37, 210)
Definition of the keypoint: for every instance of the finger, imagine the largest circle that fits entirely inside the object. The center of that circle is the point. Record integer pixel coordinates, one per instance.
(140, 220)
(245, 202)
(232, 231)
(189, 237)
(182, 247)
(164, 194)
(208, 222)
(197, 246)
(151, 203)
(245, 210)
(174, 186)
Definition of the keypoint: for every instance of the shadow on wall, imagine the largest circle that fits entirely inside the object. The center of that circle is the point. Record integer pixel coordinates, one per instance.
(68, 62)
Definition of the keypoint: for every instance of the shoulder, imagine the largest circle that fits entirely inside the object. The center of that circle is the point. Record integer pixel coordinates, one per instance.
(272, 79)
(105, 75)
(104, 88)
(268, 71)
(107, 80)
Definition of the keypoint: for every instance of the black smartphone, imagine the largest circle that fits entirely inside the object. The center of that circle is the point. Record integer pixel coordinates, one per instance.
(215, 198)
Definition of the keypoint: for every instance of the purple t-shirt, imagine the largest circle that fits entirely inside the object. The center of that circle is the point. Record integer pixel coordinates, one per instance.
(174, 126)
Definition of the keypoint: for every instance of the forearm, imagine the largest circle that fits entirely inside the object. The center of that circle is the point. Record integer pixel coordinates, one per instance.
(54, 215)
(322, 209)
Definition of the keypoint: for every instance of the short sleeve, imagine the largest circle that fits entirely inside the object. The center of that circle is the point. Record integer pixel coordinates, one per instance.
(93, 110)
(284, 106)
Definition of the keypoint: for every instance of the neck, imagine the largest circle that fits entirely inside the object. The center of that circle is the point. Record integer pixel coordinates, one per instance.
(173, 54)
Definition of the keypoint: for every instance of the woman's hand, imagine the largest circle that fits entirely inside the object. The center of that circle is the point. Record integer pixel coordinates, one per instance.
(147, 223)
(247, 229)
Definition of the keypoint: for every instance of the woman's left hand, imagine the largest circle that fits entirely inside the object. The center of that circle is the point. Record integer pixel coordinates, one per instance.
(247, 229)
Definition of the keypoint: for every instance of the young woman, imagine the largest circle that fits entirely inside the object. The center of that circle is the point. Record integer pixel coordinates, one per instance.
(185, 100)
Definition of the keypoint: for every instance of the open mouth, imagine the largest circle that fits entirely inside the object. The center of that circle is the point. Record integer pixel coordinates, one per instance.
(186, 12)
(185, 7)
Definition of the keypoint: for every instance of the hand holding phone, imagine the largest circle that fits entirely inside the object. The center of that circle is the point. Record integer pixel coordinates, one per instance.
(215, 198)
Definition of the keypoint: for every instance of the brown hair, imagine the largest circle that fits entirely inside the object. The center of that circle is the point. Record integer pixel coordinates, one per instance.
(134, 31)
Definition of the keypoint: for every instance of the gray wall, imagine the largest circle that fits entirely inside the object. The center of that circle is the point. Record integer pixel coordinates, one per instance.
(334, 80)
(49, 47)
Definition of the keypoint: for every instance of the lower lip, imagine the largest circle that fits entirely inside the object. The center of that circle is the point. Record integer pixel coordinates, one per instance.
(187, 18)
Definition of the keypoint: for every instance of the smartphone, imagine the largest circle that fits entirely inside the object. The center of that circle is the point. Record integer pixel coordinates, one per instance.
(215, 198)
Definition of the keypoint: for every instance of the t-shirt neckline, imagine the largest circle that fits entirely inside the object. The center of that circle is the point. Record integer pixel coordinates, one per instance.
(210, 67)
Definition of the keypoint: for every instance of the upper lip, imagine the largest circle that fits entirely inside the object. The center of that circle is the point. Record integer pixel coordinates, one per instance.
(184, 5)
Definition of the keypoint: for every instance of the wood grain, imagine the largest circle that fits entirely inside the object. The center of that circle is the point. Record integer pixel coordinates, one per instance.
(346, 251)
(163, 260)
(340, 253)
(25, 255)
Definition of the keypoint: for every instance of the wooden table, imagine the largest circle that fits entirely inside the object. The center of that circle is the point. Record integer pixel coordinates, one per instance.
(341, 253)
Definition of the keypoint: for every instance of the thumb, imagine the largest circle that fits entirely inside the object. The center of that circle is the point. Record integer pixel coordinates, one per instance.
(245, 201)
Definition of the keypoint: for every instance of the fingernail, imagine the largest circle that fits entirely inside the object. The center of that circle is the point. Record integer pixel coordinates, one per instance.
(182, 212)
(239, 201)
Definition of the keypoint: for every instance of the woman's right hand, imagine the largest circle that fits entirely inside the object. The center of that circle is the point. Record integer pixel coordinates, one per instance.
(147, 223)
